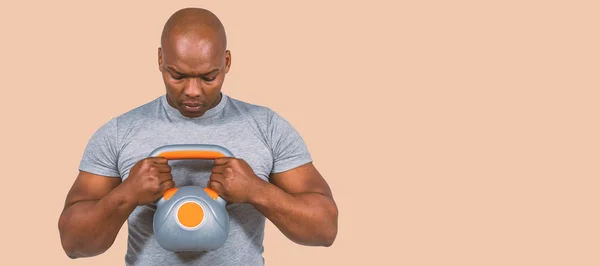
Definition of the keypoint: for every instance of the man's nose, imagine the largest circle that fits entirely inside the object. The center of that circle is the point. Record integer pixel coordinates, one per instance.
(193, 88)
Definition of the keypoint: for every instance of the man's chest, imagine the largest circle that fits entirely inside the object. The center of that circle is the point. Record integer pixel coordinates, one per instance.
(243, 142)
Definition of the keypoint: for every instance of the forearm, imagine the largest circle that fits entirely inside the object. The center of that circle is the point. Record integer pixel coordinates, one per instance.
(306, 218)
(89, 228)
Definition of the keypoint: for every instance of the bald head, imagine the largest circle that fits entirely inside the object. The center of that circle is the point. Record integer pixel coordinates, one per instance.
(193, 59)
(196, 23)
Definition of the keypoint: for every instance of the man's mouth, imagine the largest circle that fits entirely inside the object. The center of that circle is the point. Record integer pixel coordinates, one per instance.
(192, 107)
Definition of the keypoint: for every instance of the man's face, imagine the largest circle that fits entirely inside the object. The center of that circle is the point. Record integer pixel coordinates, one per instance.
(193, 71)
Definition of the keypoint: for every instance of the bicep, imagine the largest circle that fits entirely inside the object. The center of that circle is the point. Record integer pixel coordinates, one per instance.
(303, 179)
(90, 187)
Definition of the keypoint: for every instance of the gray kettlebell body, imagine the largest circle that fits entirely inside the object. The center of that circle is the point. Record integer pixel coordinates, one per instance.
(175, 235)
(191, 218)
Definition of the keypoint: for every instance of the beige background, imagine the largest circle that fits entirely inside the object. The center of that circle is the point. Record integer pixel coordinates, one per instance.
(451, 132)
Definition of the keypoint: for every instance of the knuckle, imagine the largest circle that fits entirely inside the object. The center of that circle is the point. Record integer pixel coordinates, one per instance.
(229, 170)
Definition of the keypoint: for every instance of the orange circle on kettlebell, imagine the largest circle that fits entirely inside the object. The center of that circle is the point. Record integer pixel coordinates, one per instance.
(190, 214)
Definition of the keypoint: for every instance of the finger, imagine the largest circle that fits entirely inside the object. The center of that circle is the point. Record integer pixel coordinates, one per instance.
(158, 160)
(216, 177)
(164, 186)
(219, 169)
(162, 177)
(217, 180)
(216, 186)
(221, 160)
(163, 168)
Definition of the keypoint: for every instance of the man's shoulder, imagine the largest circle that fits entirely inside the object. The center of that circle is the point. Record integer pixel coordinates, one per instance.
(254, 110)
(130, 117)
(244, 104)
(142, 111)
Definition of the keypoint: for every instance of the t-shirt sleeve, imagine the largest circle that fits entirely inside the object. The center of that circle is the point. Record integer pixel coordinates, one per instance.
(288, 148)
(100, 154)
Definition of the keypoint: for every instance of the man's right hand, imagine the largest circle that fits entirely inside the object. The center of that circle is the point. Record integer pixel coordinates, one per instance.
(148, 179)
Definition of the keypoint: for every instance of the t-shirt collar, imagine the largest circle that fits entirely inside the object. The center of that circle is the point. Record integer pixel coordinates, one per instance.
(172, 111)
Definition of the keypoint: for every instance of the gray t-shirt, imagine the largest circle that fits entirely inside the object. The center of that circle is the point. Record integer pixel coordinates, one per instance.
(257, 134)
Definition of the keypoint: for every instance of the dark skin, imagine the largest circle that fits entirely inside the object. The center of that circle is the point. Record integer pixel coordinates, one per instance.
(97, 206)
(298, 202)
(193, 60)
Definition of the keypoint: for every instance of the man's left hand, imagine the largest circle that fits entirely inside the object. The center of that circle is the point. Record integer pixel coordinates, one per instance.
(234, 180)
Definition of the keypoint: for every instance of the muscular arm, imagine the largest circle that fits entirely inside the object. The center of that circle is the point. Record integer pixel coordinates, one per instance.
(95, 210)
(300, 204)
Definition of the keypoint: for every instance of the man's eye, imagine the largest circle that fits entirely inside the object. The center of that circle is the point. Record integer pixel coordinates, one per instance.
(210, 79)
(176, 77)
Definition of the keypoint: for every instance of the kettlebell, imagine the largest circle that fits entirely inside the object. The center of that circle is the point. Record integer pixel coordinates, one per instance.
(191, 218)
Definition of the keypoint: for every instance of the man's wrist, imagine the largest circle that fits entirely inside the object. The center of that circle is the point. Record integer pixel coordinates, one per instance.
(121, 197)
(259, 195)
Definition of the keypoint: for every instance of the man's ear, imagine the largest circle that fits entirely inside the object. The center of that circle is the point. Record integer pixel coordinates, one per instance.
(160, 59)
(227, 61)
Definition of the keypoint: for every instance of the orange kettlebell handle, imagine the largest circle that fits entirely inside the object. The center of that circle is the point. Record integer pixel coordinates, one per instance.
(191, 152)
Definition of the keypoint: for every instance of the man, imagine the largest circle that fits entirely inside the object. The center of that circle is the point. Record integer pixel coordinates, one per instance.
(270, 177)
